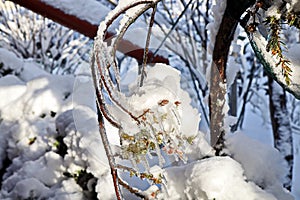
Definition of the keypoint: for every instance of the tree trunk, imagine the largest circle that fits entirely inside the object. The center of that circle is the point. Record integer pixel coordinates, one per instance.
(217, 93)
(234, 10)
(217, 102)
(282, 129)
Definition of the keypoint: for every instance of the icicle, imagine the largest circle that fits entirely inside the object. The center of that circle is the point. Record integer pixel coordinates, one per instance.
(134, 165)
(146, 164)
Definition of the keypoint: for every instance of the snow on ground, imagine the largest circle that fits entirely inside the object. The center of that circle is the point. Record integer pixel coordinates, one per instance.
(252, 155)
(12, 87)
(52, 149)
(212, 178)
(38, 136)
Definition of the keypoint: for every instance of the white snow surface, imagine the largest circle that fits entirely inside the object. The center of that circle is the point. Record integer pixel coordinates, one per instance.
(12, 88)
(212, 178)
(10, 60)
(28, 135)
(50, 106)
(263, 164)
(89, 10)
(26, 69)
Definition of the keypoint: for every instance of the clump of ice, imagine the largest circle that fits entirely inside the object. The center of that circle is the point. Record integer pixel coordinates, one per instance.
(160, 106)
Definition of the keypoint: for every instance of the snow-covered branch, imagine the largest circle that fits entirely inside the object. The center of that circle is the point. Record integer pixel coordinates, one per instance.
(270, 63)
(83, 17)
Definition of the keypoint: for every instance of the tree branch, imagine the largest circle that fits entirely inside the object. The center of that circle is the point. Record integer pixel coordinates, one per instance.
(282, 129)
(86, 28)
(270, 64)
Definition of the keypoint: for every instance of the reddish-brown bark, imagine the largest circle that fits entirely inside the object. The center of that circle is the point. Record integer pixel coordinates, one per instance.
(85, 28)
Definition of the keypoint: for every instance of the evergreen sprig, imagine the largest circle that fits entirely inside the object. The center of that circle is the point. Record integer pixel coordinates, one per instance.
(275, 45)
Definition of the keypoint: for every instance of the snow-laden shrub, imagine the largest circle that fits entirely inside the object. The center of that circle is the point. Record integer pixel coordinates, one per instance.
(58, 49)
(33, 158)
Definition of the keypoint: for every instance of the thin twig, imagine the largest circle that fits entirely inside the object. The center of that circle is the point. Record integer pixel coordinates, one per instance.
(239, 122)
(194, 22)
(126, 168)
(99, 96)
(109, 91)
(134, 191)
(103, 135)
(168, 12)
(146, 50)
(123, 10)
(113, 2)
(127, 24)
(109, 155)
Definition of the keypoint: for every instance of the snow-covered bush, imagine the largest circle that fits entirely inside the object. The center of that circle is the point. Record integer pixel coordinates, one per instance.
(58, 49)
(41, 155)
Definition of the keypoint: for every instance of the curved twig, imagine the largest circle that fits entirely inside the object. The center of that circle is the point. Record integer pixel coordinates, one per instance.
(146, 50)
(103, 58)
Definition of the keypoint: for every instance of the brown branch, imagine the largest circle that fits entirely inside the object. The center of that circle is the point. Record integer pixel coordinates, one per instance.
(85, 28)
(223, 42)
(109, 155)
(217, 94)
(282, 128)
(234, 10)
(146, 49)
(132, 190)
(107, 88)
